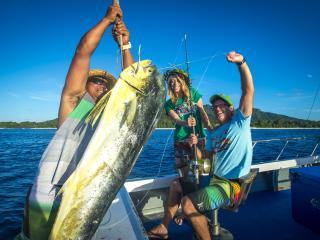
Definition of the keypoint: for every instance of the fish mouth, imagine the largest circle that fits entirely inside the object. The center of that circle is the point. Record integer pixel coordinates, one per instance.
(138, 75)
(137, 89)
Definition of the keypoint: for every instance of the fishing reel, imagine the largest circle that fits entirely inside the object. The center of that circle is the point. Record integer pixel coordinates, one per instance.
(203, 166)
(193, 169)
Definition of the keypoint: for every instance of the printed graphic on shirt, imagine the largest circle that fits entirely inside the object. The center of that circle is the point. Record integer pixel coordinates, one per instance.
(222, 143)
(183, 109)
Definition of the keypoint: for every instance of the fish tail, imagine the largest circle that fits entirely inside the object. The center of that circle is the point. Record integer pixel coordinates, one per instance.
(98, 108)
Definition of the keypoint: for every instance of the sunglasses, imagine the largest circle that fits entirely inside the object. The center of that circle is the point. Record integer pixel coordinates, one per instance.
(98, 82)
(219, 105)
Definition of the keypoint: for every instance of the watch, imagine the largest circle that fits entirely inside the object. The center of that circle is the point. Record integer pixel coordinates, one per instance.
(242, 62)
(127, 46)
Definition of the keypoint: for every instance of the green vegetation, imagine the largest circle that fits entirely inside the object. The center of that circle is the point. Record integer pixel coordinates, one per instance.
(260, 119)
(272, 120)
(46, 124)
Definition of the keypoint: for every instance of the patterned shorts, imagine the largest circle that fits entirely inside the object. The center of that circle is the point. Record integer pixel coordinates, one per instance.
(219, 193)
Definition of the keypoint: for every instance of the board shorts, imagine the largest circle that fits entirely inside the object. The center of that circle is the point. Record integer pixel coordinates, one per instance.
(220, 192)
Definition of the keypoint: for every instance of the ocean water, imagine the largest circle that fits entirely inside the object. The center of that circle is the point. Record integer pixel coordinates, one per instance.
(21, 150)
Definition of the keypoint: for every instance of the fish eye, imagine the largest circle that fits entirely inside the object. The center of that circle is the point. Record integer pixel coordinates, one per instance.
(132, 72)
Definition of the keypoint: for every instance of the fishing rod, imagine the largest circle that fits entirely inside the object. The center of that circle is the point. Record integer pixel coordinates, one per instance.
(194, 146)
(119, 38)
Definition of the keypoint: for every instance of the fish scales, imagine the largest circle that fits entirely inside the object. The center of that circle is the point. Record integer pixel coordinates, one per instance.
(125, 125)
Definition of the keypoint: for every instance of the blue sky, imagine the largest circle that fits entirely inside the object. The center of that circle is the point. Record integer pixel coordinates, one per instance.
(280, 40)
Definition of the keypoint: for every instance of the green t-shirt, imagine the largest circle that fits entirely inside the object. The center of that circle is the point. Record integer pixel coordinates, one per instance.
(181, 108)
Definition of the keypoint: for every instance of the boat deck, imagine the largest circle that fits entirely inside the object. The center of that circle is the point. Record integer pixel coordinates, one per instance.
(265, 215)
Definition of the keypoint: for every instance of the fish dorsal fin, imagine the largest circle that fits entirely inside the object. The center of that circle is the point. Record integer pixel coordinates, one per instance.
(98, 108)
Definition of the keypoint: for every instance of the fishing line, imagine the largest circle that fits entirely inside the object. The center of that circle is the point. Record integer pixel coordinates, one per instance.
(139, 54)
(119, 38)
(130, 212)
(172, 130)
(207, 67)
(177, 54)
(193, 61)
(314, 99)
(164, 149)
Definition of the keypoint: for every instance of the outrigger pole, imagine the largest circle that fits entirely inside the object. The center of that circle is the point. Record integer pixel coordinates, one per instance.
(120, 41)
(194, 147)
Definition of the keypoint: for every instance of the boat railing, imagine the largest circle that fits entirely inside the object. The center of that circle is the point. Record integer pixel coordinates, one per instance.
(308, 141)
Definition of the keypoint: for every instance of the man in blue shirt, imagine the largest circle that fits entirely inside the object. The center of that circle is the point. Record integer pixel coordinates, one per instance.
(230, 148)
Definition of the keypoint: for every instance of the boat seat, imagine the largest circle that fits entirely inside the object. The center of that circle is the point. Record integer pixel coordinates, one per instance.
(245, 186)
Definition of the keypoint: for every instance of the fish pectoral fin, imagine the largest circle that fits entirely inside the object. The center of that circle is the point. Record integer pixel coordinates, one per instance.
(80, 182)
(60, 192)
(98, 108)
(70, 179)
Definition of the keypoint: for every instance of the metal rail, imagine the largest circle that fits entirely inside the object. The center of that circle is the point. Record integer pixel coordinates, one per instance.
(287, 140)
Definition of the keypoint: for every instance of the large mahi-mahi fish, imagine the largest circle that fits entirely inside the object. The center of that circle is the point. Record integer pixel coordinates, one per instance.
(128, 119)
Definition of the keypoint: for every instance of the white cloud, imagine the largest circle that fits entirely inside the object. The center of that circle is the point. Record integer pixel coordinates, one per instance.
(44, 96)
(294, 94)
(40, 98)
(281, 94)
(12, 94)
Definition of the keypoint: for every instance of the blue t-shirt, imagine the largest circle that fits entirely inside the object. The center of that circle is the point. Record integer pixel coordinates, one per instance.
(232, 145)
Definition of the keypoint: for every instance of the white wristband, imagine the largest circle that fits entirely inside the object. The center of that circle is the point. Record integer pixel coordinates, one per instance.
(127, 46)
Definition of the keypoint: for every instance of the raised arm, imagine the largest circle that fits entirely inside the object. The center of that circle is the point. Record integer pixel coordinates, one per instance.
(246, 101)
(75, 84)
(121, 29)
